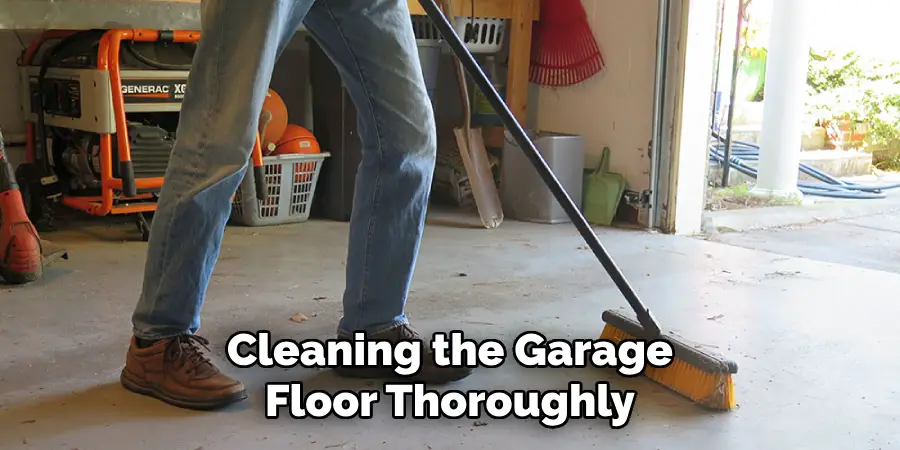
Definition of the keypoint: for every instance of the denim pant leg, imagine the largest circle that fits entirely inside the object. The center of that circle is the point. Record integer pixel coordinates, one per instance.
(373, 46)
(229, 78)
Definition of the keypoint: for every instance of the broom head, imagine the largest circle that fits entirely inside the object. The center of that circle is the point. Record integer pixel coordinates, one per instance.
(700, 375)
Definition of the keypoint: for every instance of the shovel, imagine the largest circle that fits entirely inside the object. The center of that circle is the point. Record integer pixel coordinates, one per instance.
(473, 152)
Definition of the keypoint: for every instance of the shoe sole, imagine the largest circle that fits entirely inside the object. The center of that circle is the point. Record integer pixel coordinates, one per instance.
(369, 374)
(201, 405)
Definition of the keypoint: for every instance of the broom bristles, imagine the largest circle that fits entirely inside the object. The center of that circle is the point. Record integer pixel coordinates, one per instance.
(703, 377)
(712, 390)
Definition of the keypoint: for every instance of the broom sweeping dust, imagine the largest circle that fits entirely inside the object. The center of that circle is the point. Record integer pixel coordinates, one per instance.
(700, 375)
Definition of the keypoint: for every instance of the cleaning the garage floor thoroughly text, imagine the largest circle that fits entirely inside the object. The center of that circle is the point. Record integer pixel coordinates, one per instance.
(413, 399)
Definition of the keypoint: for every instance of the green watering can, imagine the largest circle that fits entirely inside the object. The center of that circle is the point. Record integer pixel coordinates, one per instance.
(603, 191)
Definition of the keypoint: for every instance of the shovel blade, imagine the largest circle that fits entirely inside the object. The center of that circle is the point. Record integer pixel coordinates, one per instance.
(478, 169)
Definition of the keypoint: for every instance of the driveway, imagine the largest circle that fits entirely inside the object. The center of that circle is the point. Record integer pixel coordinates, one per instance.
(871, 242)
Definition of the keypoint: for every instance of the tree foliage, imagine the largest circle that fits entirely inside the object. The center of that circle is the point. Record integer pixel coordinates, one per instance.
(850, 86)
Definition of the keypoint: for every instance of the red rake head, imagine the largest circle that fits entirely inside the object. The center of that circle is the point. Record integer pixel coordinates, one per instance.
(564, 51)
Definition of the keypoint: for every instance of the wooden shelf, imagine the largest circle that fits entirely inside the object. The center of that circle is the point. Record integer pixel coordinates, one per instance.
(497, 9)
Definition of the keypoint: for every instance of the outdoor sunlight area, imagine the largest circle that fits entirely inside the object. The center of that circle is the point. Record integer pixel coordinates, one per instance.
(851, 116)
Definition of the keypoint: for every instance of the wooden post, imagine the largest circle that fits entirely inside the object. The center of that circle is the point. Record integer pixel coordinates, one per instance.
(521, 24)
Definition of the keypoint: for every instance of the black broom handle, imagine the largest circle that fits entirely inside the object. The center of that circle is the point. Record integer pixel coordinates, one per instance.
(646, 319)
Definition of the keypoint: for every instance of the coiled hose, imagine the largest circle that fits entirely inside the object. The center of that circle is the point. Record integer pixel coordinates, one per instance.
(828, 187)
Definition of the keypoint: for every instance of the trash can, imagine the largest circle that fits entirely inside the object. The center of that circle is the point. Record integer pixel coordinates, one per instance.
(524, 195)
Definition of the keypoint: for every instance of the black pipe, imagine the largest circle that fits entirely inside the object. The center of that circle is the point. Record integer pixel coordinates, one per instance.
(645, 317)
(746, 151)
(821, 190)
(735, 65)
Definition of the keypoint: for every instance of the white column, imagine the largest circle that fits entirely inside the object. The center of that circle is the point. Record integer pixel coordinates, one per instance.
(692, 67)
(785, 91)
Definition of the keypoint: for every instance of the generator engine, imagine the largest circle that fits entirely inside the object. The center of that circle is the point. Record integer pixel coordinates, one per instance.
(81, 161)
(77, 155)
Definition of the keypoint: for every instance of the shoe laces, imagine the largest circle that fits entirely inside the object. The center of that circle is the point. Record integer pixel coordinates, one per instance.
(408, 333)
(188, 350)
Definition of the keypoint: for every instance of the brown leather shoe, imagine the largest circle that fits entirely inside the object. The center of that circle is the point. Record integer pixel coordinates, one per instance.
(429, 372)
(178, 372)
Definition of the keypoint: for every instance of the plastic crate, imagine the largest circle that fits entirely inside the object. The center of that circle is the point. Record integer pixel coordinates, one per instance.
(481, 35)
(425, 31)
(291, 181)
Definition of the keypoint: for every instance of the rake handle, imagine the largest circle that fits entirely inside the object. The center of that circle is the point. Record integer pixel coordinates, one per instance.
(645, 317)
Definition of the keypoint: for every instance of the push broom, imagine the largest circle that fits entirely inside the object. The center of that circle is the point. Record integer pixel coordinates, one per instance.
(696, 373)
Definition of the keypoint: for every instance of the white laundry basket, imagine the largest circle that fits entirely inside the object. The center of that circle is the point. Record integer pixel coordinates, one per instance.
(481, 35)
(291, 181)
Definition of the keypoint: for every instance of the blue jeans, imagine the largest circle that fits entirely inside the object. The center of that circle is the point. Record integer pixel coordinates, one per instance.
(372, 45)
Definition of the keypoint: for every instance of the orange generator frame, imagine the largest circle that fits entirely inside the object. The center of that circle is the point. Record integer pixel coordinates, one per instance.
(125, 194)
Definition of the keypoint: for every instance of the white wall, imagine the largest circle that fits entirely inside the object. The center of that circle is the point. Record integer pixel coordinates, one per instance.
(615, 108)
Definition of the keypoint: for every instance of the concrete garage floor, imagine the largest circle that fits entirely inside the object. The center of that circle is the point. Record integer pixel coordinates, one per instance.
(871, 241)
(810, 338)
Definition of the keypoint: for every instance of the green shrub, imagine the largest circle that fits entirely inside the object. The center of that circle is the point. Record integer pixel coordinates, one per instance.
(852, 87)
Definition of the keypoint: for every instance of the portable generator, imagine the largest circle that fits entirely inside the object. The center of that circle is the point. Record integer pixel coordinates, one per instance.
(102, 109)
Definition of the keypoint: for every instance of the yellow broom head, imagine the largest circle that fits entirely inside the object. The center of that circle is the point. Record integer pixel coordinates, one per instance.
(700, 375)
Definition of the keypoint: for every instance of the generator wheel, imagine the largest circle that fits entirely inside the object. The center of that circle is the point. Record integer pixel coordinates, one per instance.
(143, 226)
(41, 211)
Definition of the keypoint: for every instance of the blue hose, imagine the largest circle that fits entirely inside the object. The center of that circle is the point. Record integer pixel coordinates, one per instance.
(829, 187)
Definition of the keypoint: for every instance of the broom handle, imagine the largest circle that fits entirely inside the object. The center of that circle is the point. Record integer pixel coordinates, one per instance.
(645, 317)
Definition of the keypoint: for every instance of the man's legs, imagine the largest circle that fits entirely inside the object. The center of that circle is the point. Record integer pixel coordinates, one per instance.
(229, 79)
(373, 46)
